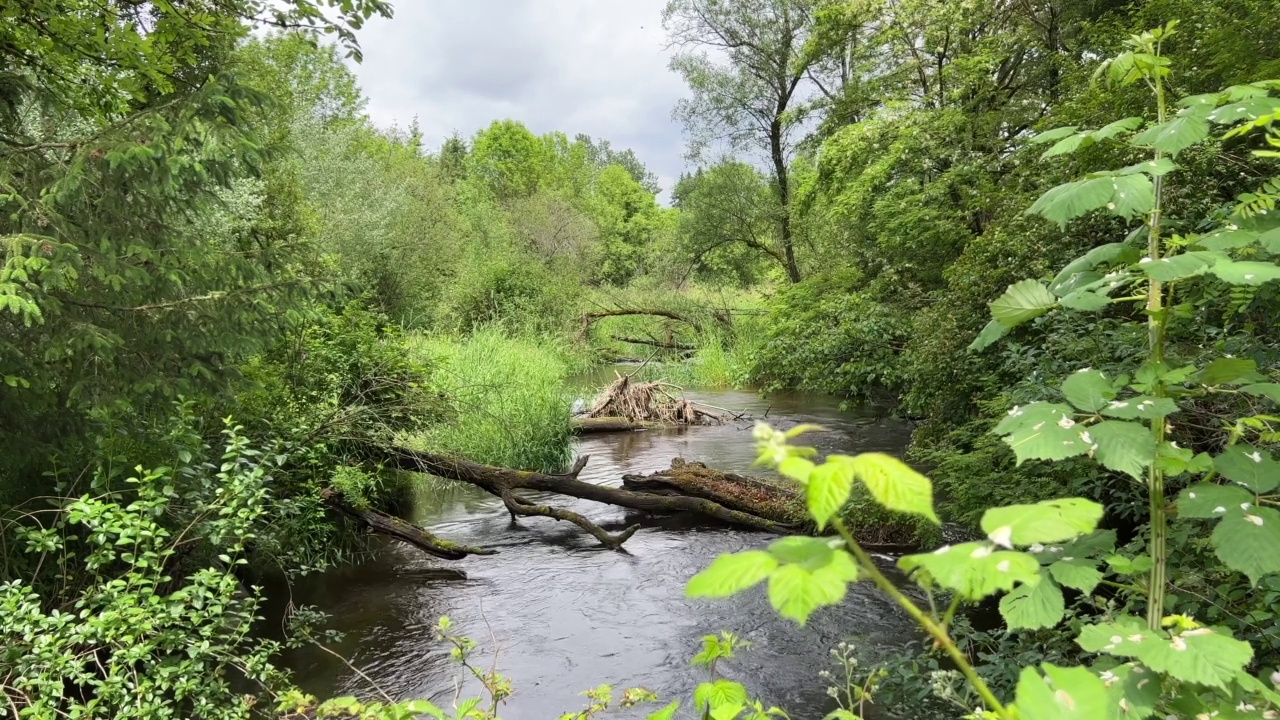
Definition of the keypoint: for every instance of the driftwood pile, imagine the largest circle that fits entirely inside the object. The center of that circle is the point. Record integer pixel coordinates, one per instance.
(629, 405)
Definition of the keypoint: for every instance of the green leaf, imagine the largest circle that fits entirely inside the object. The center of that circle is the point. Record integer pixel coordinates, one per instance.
(1050, 521)
(1249, 466)
(1088, 390)
(1021, 302)
(1175, 135)
(1085, 301)
(1154, 168)
(796, 592)
(1140, 406)
(1173, 460)
(1133, 691)
(1125, 447)
(1071, 284)
(1203, 655)
(1133, 195)
(811, 552)
(1045, 431)
(1049, 136)
(1111, 252)
(731, 574)
(1068, 144)
(666, 713)
(1076, 573)
(991, 332)
(1238, 272)
(1110, 130)
(423, 707)
(1071, 200)
(1247, 109)
(974, 570)
(1177, 267)
(1035, 606)
(718, 693)
(796, 468)
(1229, 371)
(828, 490)
(1227, 239)
(893, 483)
(1061, 694)
(1206, 500)
(1249, 541)
(1271, 391)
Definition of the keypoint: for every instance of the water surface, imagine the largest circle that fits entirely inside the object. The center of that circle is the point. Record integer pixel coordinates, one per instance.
(566, 615)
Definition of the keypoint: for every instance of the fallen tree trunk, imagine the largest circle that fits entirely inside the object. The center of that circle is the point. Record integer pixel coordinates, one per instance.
(586, 425)
(504, 482)
(775, 500)
(384, 524)
(672, 345)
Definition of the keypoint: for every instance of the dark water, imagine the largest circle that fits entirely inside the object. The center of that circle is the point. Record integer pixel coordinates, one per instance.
(568, 616)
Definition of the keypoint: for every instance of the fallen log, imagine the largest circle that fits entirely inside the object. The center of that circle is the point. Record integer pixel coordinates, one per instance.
(763, 498)
(586, 425)
(384, 524)
(503, 482)
(672, 345)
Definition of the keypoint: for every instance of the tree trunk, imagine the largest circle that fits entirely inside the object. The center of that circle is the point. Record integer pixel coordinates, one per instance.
(587, 425)
(784, 197)
(384, 524)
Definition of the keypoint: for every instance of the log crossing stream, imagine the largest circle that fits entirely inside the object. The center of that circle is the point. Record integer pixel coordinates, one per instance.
(568, 615)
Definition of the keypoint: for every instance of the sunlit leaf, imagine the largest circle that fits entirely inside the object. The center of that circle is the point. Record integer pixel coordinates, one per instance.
(1133, 691)
(1206, 656)
(1049, 136)
(731, 574)
(828, 490)
(1113, 129)
(1227, 239)
(1133, 195)
(796, 592)
(811, 552)
(1271, 391)
(1178, 267)
(666, 713)
(1085, 301)
(1068, 144)
(1245, 109)
(893, 483)
(1155, 168)
(1249, 541)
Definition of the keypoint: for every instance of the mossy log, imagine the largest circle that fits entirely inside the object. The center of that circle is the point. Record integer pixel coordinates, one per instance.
(777, 501)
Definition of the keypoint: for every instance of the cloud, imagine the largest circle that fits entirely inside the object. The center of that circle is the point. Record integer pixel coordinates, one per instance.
(578, 66)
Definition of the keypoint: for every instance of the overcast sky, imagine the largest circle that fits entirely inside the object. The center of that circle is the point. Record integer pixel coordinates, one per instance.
(579, 66)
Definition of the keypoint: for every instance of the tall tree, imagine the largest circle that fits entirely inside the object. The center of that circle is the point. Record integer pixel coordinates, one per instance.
(745, 61)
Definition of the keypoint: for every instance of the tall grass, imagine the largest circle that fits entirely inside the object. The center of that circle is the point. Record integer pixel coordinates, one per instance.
(508, 402)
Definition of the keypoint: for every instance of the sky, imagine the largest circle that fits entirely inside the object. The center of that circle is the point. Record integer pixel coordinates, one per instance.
(578, 66)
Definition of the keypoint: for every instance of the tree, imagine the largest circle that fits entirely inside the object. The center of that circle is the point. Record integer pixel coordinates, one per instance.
(724, 225)
(745, 62)
(508, 159)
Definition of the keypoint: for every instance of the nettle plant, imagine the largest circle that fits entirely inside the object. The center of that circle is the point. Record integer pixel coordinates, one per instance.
(1170, 666)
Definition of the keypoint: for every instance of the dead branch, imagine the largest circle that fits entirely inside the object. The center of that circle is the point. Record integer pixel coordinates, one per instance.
(384, 524)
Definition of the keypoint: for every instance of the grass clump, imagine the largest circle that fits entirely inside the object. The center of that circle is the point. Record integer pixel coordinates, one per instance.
(507, 401)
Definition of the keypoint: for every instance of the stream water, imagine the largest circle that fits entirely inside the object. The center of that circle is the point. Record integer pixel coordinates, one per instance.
(567, 615)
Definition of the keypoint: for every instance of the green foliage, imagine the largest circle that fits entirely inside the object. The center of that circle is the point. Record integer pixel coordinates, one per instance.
(507, 402)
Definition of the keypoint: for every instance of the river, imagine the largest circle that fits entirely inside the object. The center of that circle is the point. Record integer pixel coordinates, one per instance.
(567, 615)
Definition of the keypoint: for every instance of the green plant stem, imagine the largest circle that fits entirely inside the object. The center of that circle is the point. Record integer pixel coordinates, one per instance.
(936, 631)
(1157, 321)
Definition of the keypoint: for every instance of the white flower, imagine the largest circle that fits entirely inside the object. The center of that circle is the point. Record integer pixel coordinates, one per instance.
(1015, 412)
(1254, 456)
(980, 552)
(1179, 644)
(1086, 438)
(1117, 405)
(1002, 536)
(1066, 422)
(1254, 519)
(1036, 548)
(1003, 566)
